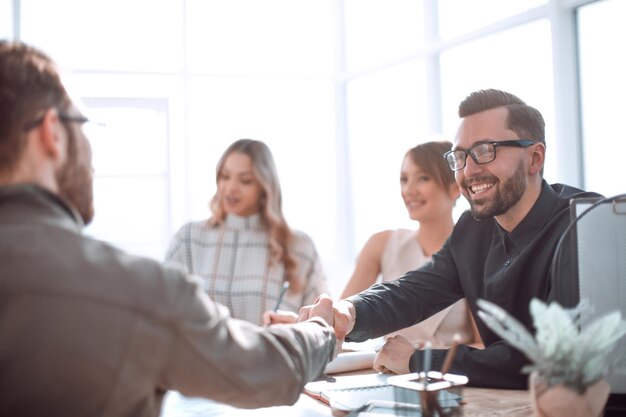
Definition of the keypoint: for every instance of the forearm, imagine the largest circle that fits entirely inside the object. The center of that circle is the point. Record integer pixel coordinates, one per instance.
(498, 366)
(241, 364)
(389, 307)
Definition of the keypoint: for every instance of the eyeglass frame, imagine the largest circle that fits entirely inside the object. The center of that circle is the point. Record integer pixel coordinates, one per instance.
(517, 143)
(64, 117)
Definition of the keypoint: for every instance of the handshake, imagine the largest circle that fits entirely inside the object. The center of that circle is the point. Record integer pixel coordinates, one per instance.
(340, 315)
(393, 357)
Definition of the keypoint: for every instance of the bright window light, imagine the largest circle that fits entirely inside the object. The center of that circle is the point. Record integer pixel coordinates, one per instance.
(270, 37)
(378, 31)
(457, 17)
(6, 19)
(138, 35)
(387, 116)
(602, 69)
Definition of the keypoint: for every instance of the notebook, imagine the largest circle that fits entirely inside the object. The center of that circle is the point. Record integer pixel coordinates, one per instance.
(351, 391)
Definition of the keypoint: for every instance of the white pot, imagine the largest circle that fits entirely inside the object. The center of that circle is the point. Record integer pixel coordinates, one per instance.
(561, 401)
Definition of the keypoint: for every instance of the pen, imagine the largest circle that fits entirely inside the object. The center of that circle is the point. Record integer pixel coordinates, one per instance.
(282, 294)
(456, 339)
(427, 360)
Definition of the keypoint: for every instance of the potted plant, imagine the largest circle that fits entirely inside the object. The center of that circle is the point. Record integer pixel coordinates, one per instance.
(568, 366)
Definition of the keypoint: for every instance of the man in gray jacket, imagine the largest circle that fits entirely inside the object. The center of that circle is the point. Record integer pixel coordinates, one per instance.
(87, 330)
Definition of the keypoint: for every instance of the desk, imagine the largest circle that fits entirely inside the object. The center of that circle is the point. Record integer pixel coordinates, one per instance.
(478, 402)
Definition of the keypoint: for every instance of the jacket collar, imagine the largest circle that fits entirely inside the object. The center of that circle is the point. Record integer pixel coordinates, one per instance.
(33, 201)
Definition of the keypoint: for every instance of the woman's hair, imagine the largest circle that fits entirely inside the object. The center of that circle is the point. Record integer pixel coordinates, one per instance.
(270, 206)
(429, 157)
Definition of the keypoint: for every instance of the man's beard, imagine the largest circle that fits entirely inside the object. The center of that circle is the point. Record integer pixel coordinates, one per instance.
(75, 179)
(507, 195)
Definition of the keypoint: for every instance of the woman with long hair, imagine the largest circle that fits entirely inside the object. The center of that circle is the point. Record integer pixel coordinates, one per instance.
(246, 253)
(429, 191)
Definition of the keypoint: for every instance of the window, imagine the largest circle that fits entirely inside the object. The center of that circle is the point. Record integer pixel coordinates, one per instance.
(339, 90)
(386, 114)
(131, 199)
(109, 35)
(457, 17)
(378, 31)
(602, 69)
(277, 38)
(6, 19)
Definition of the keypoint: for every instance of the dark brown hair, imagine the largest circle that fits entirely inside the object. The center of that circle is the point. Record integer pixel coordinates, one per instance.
(29, 84)
(524, 120)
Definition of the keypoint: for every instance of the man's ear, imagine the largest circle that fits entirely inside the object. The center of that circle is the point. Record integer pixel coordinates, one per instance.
(51, 133)
(453, 191)
(537, 158)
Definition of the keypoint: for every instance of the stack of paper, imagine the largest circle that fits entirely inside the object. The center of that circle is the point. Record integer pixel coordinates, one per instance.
(351, 361)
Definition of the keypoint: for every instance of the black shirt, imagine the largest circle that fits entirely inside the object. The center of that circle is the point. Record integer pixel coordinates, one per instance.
(479, 260)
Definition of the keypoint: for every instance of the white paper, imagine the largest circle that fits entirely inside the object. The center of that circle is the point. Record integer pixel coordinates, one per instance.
(351, 361)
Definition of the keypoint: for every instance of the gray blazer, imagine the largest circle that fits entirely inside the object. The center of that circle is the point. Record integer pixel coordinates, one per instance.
(87, 330)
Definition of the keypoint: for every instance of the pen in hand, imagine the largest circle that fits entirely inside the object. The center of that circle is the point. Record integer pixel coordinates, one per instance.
(281, 295)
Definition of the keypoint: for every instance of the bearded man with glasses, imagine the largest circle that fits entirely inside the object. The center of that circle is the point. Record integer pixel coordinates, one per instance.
(500, 250)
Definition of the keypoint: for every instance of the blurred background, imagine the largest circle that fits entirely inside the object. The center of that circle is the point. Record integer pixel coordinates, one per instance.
(339, 90)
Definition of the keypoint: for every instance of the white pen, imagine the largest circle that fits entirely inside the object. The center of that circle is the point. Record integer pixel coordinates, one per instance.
(281, 295)
(427, 360)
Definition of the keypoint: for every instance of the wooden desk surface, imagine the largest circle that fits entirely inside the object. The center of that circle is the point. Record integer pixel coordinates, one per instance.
(496, 402)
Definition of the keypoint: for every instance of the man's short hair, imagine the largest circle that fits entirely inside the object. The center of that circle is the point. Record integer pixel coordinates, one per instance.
(524, 120)
(29, 84)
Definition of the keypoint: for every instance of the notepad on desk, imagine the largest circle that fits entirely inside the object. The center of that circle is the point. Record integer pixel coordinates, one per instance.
(342, 392)
(352, 392)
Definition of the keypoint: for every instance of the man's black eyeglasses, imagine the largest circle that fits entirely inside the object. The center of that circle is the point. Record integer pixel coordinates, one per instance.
(64, 117)
(481, 153)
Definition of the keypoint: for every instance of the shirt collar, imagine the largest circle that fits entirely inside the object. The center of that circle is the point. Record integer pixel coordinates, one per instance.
(530, 226)
(233, 221)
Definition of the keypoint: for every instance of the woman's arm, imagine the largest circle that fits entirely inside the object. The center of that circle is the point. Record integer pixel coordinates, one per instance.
(368, 264)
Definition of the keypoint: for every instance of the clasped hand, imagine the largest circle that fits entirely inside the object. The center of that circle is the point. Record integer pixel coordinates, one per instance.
(393, 357)
(339, 314)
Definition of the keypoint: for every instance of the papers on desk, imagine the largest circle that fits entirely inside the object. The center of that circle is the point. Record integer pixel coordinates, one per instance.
(351, 361)
(342, 388)
(177, 405)
(355, 356)
(370, 344)
(354, 392)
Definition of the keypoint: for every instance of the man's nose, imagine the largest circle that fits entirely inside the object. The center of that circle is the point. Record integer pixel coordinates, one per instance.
(471, 167)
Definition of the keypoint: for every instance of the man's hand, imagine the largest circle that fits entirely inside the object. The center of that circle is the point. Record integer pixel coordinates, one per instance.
(323, 308)
(279, 317)
(343, 316)
(394, 356)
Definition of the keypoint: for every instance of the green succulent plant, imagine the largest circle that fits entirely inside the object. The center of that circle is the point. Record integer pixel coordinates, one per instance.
(560, 352)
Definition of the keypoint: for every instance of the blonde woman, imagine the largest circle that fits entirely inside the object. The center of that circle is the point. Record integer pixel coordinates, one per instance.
(246, 252)
(429, 192)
